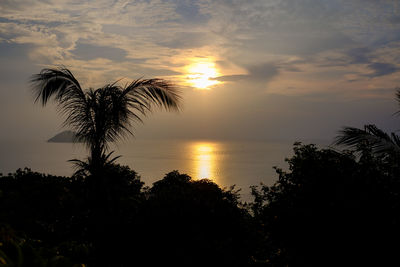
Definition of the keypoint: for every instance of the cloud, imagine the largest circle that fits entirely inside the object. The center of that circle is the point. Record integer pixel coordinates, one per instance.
(381, 69)
(263, 72)
(394, 19)
(190, 11)
(231, 78)
(359, 55)
(157, 37)
(257, 73)
(184, 40)
(89, 51)
(13, 56)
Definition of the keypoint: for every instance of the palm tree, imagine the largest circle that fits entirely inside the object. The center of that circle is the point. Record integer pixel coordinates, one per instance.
(105, 115)
(381, 143)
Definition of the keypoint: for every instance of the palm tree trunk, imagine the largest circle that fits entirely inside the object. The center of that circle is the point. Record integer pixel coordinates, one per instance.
(96, 164)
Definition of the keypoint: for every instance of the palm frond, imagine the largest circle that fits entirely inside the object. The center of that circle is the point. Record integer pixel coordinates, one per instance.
(106, 158)
(62, 86)
(60, 83)
(397, 99)
(379, 141)
(119, 107)
(142, 94)
(85, 168)
(82, 168)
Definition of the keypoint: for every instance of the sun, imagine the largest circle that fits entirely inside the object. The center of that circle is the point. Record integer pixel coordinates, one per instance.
(200, 75)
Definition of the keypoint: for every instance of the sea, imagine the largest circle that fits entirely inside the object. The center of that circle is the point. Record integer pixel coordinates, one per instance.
(227, 163)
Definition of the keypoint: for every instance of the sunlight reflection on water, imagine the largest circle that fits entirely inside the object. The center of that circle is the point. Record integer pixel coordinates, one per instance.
(205, 163)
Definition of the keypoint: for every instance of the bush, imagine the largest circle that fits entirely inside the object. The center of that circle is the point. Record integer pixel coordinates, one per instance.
(329, 209)
(189, 222)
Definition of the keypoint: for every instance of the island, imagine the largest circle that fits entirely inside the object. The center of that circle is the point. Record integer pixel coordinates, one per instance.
(63, 137)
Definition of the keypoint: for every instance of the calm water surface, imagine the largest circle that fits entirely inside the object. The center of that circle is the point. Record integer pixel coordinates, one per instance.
(226, 163)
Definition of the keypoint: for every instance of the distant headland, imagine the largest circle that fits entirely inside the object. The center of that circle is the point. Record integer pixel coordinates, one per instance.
(63, 137)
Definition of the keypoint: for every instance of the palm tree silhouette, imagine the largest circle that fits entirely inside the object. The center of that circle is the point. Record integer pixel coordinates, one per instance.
(102, 116)
(381, 143)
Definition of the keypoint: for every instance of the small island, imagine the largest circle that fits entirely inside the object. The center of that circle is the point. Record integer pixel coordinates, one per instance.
(64, 137)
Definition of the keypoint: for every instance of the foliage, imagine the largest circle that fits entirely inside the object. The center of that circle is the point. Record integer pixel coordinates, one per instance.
(20, 251)
(43, 205)
(57, 216)
(184, 222)
(178, 220)
(380, 142)
(329, 209)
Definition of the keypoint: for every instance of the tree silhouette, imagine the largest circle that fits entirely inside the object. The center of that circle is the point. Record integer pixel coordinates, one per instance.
(329, 208)
(104, 115)
(380, 143)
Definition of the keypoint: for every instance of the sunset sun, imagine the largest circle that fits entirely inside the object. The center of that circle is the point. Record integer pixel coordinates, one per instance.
(200, 75)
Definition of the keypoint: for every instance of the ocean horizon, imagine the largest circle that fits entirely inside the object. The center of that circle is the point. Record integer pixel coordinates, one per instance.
(227, 163)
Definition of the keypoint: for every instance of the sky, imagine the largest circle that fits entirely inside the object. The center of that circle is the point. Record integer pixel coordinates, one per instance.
(247, 70)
